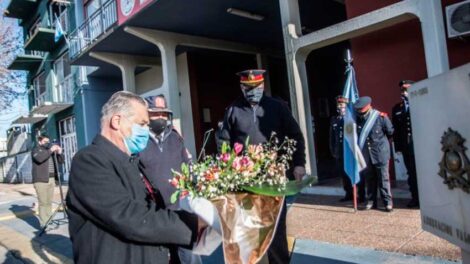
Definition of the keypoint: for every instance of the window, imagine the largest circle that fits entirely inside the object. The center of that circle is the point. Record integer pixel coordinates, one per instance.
(64, 87)
(39, 84)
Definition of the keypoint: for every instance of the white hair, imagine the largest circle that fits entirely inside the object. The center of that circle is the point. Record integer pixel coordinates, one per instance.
(120, 103)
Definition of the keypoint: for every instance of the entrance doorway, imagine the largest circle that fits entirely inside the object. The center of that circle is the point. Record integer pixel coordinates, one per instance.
(68, 140)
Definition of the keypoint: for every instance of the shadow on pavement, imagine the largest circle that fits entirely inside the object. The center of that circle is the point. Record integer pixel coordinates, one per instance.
(15, 257)
(298, 258)
(26, 214)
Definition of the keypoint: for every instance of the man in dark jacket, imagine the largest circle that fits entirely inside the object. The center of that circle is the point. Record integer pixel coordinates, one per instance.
(165, 152)
(374, 130)
(256, 116)
(403, 140)
(112, 209)
(44, 170)
(336, 146)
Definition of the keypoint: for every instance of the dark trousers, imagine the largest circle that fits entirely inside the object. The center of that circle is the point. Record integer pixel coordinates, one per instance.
(278, 252)
(348, 189)
(373, 178)
(409, 159)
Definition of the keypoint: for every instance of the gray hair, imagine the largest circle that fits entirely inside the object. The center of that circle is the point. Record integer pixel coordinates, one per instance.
(120, 103)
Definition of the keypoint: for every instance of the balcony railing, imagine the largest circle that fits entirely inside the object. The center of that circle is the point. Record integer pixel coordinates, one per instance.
(63, 93)
(93, 27)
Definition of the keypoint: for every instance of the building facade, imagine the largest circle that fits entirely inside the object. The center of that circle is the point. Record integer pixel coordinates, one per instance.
(52, 82)
(190, 51)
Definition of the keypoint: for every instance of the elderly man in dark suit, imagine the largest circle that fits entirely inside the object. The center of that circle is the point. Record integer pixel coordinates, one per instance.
(114, 217)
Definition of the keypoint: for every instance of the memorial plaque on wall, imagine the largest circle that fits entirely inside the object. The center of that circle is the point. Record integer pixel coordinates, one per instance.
(440, 115)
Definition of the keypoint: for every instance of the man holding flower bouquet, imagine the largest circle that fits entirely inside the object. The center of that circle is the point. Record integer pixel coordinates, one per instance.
(165, 153)
(254, 118)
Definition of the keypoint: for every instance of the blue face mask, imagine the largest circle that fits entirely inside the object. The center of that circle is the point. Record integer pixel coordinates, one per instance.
(137, 141)
(254, 95)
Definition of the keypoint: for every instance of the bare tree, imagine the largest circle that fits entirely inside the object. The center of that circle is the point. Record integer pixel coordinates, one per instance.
(12, 83)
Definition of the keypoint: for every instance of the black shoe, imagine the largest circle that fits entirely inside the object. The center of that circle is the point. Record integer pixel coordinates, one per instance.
(388, 208)
(413, 204)
(345, 199)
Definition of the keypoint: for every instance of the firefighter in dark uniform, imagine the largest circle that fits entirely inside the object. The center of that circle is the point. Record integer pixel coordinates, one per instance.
(403, 139)
(336, 145)
(165, 152)
(374, 130)
(256, 116)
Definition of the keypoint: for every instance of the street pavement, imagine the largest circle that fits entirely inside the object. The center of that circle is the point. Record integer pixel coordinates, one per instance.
(315, 224)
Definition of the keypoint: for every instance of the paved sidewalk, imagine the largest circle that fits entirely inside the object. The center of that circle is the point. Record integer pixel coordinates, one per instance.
(324, 218)
(322, 231)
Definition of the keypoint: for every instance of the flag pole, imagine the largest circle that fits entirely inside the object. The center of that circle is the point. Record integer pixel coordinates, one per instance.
(355, 197)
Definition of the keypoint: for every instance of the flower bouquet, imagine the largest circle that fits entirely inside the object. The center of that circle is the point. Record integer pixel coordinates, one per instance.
(246, 186)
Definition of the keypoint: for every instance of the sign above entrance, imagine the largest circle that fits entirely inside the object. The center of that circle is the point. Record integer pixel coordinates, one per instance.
(128, 8)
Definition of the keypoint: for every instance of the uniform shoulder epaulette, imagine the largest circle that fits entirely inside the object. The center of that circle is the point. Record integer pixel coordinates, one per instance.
(177, 133)
(383, 114)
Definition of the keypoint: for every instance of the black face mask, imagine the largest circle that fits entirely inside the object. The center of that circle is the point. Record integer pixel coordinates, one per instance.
(254, 95)
(47, 145)
(158, 125)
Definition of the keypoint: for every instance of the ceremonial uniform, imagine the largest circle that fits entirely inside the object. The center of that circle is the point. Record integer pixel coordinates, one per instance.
(336, 150)
(403, 140)
(254, 117)
(373, 140)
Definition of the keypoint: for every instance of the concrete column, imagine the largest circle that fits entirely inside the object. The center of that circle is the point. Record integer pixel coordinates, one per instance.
(170, 80)
(124, 63)
(298, 84)
(434, 36)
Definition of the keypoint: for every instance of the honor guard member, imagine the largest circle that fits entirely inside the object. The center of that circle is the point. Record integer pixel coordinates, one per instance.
(374, 130)
(165, 152)
(255, 116)
(336, 145)
(403, 139)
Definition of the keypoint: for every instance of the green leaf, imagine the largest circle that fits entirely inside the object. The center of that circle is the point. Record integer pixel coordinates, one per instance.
(292, 188)
(174, 197)
(185, 169)
(225, 147)
(247, 141)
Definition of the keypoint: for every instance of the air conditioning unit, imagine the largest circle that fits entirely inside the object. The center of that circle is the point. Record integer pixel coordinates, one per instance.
(458, 19)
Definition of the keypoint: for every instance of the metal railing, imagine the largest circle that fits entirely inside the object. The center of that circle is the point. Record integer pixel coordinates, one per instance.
(33, 53)
(16, 168)
(93, 27)
(62, 93)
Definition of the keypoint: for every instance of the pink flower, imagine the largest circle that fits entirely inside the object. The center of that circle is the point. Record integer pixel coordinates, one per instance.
(225, 157)
(237, 163)
(183, 194)
(238, 148)
(174, 182)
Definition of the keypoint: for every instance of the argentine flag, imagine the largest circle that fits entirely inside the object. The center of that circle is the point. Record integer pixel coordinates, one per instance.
(59, 32)
(352, 156)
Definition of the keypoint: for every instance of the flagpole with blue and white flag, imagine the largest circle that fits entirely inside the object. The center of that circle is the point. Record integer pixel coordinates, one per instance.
(353, 160)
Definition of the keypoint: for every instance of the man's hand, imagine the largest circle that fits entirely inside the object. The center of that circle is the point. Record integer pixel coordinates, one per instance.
(57, 149)
(299, 172)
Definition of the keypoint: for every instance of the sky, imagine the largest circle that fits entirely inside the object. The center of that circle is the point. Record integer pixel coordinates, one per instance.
(20, 105)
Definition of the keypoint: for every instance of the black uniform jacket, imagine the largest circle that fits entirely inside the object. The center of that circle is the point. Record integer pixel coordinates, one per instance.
(112, 219)
(377, 145)
(403, 135)
(158, 160)
(40, 156)
(336, 136)
(270, 115)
